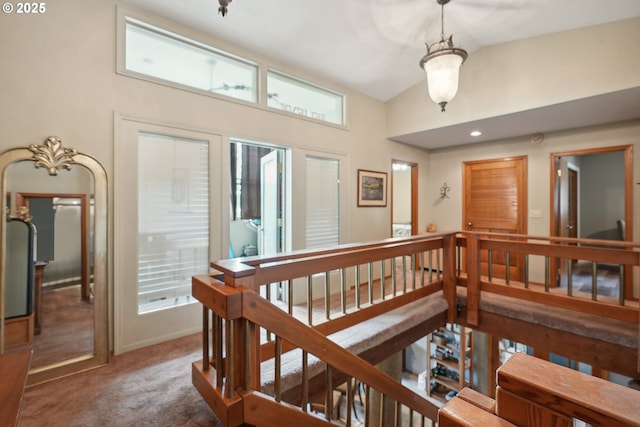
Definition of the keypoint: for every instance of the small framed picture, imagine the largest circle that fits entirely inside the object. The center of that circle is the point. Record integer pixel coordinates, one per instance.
(372, 188)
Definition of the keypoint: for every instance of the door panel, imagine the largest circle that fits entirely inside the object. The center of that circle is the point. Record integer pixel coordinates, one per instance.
(269, 235)
(495, 201)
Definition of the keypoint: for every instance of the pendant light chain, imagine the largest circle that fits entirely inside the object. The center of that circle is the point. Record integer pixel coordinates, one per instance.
(442, 21)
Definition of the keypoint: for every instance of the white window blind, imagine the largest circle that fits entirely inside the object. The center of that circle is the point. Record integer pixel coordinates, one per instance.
(322, 223)
(173, 219)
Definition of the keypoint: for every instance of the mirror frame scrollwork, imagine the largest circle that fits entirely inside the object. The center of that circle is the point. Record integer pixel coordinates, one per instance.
(52, 156)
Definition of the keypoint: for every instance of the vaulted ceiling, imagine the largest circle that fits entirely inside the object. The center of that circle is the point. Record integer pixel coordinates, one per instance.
(374, 46)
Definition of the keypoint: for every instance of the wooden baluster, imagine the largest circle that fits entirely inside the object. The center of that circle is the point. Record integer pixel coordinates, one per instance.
(594, 281)
(404, 275)
(570, 278)
(278, 370)
(328, 399)
(367, 406)
(507, 273)
(231, 358)
(393, 276)
(413, 272)
(350, 402)
(621, 288)
(438, 266)
(526, 271)
(268, 288)
(547, 274)
(370, 288)
(431, 266)
(219, 351)
(327, 295)
(343, 290)
(310, 300)
(459, 249)
(205, 338)
(422, 269)
(473, 279)
(382, 280)
(290, 296)
(357, 289)
(305, 381)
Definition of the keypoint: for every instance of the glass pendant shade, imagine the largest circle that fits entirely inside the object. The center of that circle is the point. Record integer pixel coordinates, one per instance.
(442, 78)
(442, 67)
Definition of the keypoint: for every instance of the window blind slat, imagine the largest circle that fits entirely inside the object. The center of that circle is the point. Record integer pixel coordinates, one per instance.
(173, 218)
(322, 223)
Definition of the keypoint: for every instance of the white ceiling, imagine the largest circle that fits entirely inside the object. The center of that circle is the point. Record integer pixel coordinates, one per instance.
(374, 46)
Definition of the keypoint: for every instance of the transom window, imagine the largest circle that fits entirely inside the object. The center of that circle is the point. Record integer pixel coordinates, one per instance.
(153, 53)
(305, 99)
(166, 56)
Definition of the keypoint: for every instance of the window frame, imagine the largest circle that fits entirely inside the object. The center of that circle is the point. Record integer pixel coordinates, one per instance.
(182, 33)
(319, 88)
(125, 18)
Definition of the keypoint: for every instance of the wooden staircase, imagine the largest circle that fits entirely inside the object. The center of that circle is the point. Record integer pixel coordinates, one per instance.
(264, 361)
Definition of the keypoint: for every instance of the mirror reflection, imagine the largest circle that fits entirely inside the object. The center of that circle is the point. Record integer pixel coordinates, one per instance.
(54, 280)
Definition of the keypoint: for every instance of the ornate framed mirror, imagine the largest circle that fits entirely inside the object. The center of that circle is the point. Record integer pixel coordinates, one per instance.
(54, 280)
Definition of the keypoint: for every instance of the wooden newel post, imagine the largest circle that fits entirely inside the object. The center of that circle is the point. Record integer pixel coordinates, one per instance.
(473, 279)
(449, 275)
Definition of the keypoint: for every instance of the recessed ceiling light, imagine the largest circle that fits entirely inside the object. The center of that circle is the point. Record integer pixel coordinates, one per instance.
(475, 133)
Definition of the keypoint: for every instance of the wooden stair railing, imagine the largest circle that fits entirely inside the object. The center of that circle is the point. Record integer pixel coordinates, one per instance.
(533, 392)
(314, 343)
(242, 329)
(256, 408)
(550, 250)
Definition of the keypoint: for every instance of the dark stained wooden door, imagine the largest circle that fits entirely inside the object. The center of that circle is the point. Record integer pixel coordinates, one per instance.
(495, 200)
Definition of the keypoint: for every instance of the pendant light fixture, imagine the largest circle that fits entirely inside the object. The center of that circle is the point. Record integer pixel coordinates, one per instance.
(442, 65)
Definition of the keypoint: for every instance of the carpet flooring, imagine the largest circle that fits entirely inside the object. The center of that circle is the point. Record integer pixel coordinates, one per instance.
(146, 387)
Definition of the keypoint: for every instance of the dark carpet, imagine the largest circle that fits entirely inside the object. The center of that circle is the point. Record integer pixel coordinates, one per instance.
(147, 387)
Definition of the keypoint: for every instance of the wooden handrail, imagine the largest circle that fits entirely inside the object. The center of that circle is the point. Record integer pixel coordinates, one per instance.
(532, 392)
(564, 391)
(552, 239)
(308, 339)
(304, 263)
(233, 295)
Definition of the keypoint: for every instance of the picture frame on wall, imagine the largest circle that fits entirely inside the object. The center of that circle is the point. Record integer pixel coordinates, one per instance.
(372, 188)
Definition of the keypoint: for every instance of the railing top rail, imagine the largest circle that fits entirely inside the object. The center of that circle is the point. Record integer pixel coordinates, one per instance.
(553, 239)
(241, 267)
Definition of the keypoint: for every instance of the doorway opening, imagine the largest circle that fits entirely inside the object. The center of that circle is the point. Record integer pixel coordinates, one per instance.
(258, 224)
(591, 198)
(404, 196)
